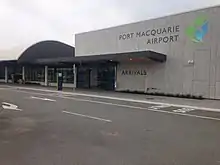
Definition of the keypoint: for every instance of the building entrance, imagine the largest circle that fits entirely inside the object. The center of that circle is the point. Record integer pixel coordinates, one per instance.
(96, 76)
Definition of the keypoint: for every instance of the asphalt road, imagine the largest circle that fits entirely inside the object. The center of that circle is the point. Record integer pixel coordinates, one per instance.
(48, 128)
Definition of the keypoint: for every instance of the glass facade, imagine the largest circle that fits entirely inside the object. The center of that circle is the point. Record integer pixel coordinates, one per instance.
(101, 76)
(2, 72)
(52, 75)
(35, 74)
(68, 75)
(14, 70)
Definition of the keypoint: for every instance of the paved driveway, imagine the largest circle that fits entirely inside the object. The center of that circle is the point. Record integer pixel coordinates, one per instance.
(52, 128)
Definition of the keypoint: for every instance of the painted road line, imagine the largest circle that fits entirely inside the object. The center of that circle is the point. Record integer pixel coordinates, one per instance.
(87, 116)
(128, 106)
(10, 106)
(154, 110)
(159, 107)
(183, 110)
(44, 99)
(120, 99)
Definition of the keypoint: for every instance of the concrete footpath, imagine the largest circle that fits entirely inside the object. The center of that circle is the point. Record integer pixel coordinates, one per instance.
(206, 104)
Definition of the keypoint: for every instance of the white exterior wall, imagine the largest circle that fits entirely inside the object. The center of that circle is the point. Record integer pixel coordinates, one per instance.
(175, 75)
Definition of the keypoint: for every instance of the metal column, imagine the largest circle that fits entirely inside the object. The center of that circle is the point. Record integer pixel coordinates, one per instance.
(6, 74)
(75, 74)
(46, 76)
(23, 73)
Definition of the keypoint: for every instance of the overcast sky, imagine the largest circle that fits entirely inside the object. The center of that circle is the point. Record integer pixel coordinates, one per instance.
(25, 22)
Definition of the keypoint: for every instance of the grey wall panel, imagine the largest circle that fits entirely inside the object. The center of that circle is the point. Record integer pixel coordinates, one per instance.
(218, 69)
(212, 92)
(176, 75)
(202, 65)
(108, 40)
(217, 64)
(212, 73)
(201, 88)
(187, 80)
(126, 82)
(217, 94)
(156, 74)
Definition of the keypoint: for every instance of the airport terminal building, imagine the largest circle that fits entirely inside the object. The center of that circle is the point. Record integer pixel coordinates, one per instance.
(178, 54)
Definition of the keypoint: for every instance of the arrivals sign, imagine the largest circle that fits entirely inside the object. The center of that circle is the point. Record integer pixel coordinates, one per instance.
(155, 36)
(134, 72)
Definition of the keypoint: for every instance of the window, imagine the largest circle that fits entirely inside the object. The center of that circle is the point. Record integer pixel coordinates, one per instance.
(68, 75)
(35, 74)
(2, 72)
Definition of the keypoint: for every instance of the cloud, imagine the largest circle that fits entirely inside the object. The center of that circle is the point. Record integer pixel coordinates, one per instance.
(26, 22)
(144, 9)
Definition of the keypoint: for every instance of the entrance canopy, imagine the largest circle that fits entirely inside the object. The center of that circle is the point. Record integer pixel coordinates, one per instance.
(9, 62)
(116, 57)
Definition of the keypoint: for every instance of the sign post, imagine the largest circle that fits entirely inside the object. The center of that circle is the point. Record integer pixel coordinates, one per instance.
(59, 81)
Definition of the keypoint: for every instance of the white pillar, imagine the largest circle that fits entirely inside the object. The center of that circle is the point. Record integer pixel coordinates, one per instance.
(116, 82)
(23, 73)
(46, 76)
(75, 74)
(6, 74)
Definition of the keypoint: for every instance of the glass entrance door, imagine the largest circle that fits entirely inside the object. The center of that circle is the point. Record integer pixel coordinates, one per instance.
(106, 78)
(99, 76)
(83, 77)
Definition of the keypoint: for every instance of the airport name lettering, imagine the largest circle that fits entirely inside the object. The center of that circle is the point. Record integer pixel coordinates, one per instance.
(134, 72)
(155, 36)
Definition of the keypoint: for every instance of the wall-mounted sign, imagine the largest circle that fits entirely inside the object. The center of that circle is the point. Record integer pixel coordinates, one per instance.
(155, 36)
(198, 29)
(134, 72)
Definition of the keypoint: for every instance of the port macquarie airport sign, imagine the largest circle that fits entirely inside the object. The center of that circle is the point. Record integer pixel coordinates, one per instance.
(155, 35)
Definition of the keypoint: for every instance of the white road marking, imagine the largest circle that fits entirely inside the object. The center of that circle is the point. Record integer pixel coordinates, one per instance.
(127, 106)
(159, 107)
(2, 88)
(119, 99)
(154, 110)
(44, 99)
(183, 110)
(10, 106)
(87, 116)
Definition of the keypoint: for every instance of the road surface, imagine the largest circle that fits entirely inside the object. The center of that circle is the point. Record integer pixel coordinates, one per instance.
(55, 128)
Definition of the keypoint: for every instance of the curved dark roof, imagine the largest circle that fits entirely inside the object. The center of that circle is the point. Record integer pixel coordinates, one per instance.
(46, 50)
